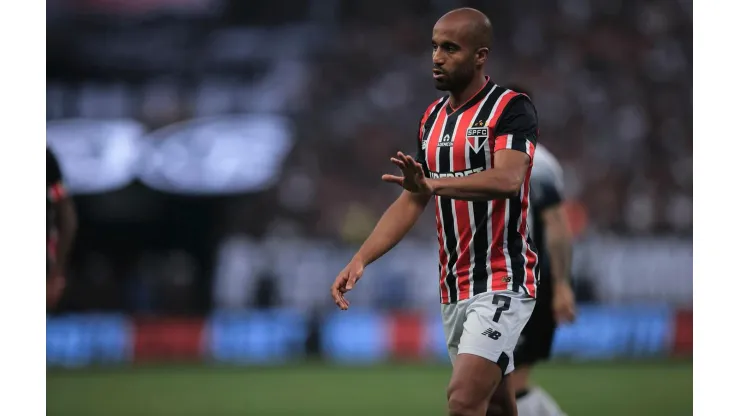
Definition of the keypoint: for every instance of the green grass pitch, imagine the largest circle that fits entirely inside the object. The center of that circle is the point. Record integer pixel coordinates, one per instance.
(604, 389)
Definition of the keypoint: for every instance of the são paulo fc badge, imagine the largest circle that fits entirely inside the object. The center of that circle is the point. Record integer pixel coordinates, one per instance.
(477, 136)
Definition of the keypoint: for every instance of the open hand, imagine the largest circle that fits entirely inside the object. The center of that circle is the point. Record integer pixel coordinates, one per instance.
(413, 179)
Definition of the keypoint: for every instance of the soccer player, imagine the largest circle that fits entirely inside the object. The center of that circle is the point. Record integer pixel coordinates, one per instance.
(61, 226)
(555, 301)
(475, 148)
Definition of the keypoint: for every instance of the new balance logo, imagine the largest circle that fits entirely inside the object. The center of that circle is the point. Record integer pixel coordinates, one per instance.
(490, 333)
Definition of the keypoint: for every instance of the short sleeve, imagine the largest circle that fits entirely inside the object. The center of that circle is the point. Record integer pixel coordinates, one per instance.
(420, 150)
(54, 179)
(547, 180)
(518, 127)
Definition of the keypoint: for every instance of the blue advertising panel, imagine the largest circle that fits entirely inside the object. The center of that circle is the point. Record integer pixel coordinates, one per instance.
(81, 340)
(256, 337)
(355, 336)
(600, 332)
(603, 332)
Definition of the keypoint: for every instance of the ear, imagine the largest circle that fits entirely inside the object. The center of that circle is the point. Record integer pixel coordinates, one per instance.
(481, 55)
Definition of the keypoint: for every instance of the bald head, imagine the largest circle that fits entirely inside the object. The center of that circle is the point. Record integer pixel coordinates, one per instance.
(461, 40)
(471, 26)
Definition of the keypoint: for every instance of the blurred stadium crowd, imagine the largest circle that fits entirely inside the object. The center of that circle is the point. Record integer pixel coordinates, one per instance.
(348, 82)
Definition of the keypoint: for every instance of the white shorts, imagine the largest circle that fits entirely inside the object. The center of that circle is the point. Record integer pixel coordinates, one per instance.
(487, 325)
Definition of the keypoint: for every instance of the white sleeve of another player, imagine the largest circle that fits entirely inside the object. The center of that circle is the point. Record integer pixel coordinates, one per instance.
(547, 174)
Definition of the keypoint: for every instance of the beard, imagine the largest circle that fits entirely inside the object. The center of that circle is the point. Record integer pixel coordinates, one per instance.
(455, 81)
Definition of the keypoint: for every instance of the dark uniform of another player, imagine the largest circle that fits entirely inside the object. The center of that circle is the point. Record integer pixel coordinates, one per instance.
(535, 342)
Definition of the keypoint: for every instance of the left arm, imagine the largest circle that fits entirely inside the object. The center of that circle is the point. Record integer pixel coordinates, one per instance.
(559, 243)
(548, 194)
(513, 148)
(67, 232)
(65, 211)
(501, 182)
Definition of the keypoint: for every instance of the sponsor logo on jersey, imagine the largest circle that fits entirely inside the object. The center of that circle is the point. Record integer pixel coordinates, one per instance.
(458, 174)
(446, 141)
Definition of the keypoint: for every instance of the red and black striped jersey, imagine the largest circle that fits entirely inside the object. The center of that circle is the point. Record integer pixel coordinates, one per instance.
(483, 245)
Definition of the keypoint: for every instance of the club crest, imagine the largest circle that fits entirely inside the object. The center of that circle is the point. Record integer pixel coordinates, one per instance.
(477, 136)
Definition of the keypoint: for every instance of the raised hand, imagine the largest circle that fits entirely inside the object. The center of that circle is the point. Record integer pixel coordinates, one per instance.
(413, 179)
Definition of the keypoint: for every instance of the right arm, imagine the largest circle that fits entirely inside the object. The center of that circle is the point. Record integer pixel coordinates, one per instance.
(395, 223)
(65, 212)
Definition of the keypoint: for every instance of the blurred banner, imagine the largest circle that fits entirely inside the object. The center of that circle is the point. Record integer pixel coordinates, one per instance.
(162, 339)
(255, 337)
(96, 155)
(683, 338)
(362, 336)
(216, 155)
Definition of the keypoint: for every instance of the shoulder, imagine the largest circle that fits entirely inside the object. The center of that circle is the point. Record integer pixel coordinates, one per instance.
(433, 108)
(518, 114)
(518, 104)
(546, 168)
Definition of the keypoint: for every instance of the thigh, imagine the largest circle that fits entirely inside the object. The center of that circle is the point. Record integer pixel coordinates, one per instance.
(474, 380)
(493, 323)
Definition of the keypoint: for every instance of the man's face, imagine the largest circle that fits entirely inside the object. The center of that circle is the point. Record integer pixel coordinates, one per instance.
(453, 56)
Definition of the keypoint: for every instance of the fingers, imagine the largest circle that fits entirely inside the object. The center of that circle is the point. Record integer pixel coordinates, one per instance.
(409, 160)
(418, 169)
(408, 165)
(400, 163)
(339, 299)
(337, 290)
(392, 179)
(343, 284)
(565, 314)
(403, 160)
(351, 282)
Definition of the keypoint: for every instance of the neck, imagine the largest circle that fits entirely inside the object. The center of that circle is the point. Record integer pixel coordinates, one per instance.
(459, 98)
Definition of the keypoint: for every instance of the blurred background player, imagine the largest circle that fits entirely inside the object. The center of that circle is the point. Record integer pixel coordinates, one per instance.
(61, 226)
(555, 300)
